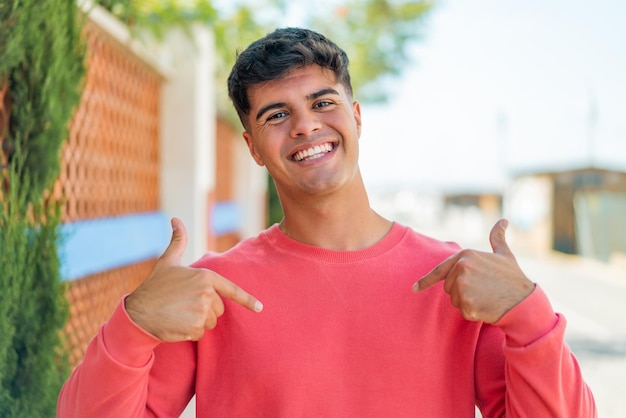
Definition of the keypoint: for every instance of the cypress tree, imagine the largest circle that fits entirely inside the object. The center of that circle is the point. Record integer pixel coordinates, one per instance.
(42, 60)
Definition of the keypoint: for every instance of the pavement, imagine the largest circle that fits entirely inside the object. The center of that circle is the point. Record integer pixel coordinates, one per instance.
(592, 297)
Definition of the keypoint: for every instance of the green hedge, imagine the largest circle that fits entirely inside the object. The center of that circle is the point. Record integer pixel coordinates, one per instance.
(42, 59)
(33, 307)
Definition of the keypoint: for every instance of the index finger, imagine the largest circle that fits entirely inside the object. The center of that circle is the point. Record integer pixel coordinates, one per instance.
(437, 274)
(230, 290)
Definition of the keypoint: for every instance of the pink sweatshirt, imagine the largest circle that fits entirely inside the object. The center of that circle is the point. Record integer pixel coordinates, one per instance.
(341, 335)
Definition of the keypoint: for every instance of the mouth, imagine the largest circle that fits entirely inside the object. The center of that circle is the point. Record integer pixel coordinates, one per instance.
(313, 152)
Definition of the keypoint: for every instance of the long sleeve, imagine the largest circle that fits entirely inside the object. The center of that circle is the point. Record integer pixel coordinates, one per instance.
(113, 379)
(341, 335)
(543, 378)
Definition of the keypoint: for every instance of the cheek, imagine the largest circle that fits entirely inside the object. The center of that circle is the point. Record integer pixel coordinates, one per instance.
(345, 123)
(269, 151)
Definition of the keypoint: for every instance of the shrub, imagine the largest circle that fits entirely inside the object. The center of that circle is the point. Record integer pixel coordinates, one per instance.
(42, 60)
(33, 307)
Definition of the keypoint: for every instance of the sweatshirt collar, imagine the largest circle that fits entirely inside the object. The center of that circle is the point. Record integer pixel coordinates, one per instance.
(283, 243)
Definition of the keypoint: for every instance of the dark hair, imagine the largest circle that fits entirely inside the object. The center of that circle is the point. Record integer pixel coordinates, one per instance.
(278, 53)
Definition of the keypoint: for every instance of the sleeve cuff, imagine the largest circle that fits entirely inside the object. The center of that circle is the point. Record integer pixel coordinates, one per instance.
(529, 320)
(125, 341)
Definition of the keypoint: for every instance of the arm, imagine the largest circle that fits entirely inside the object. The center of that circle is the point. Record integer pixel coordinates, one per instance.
(540, 372)
(541, 375)
(142, 362)
(535, 336)
(113, 378)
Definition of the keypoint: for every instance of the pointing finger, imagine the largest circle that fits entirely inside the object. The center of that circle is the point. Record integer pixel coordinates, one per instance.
(230, 290)
(497, 238)
(437, 274)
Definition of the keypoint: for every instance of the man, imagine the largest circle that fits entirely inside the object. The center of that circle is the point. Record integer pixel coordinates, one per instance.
(339, 332)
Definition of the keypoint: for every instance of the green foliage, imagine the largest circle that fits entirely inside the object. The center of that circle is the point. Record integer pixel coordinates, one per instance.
(41, 56)
(157, 16)
(274, 207)
(33, 308)
(375, 35)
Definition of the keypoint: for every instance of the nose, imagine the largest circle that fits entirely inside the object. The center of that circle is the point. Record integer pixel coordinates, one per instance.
(304, 123)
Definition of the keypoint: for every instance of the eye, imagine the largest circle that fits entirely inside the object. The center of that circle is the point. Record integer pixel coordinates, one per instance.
(322, 103)
(276, 116)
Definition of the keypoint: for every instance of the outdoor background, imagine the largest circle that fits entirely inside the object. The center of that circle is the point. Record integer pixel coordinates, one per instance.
(502, 86)
(500, 89)
(497, 90)
(472, 110)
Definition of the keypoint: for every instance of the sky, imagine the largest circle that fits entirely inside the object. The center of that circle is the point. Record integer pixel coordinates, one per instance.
(496, 88)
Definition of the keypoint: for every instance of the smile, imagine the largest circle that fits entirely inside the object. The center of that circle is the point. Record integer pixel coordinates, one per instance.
(313, 152)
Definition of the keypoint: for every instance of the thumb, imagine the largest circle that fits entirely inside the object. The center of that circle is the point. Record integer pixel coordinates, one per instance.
(497, 238)
(174, 252)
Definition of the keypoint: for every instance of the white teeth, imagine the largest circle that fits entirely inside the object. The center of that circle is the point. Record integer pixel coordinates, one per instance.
(313, 152)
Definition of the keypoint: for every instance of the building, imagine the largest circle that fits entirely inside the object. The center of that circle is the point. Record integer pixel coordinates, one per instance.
(578, 210)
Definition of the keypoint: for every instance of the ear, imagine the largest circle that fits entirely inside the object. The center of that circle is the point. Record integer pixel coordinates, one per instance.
(250, 143)
(356, 110)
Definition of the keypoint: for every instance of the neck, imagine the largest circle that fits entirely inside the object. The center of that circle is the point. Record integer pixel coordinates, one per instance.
(333, 222)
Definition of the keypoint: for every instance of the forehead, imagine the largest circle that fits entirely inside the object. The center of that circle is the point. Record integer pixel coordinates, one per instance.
(296, 84)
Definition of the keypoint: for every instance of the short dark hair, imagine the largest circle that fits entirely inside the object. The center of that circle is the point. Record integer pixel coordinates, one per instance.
(278, 53)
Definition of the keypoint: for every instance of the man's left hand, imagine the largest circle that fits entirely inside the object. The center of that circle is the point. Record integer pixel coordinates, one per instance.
(483, 286)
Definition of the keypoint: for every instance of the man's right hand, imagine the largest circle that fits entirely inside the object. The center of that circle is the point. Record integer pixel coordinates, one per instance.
(178, 303)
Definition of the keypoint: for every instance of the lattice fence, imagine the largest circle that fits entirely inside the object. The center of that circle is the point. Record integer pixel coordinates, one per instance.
(110, 167)
(93, 299)
(110, 163)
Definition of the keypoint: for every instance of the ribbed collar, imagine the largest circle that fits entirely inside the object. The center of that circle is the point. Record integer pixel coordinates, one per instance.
(279, 240)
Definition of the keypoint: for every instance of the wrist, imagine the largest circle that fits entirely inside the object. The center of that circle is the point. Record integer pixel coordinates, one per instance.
(137, 314)
(529, 320)
(125, 341)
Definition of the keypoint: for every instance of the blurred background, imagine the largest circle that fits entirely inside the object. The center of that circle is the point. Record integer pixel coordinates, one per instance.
(117, 116)
(516, 109)
(518, 105)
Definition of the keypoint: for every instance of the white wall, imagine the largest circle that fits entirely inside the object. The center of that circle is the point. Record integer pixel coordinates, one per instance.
(188, 117)
(188, 134)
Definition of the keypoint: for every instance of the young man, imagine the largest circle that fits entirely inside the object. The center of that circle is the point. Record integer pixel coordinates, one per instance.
(339, 333)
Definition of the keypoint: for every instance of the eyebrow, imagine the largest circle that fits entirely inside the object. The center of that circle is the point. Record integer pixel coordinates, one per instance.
(311, 96)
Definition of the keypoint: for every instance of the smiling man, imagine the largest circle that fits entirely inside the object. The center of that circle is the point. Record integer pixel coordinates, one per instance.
(340, 333)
